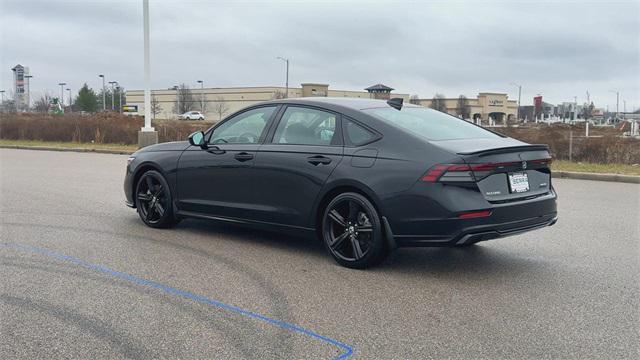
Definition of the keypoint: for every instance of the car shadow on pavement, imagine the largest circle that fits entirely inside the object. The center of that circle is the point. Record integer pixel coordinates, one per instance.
(238, 233)
(479, 260)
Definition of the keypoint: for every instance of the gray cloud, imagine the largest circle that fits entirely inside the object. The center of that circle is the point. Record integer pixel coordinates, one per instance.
(558, 49)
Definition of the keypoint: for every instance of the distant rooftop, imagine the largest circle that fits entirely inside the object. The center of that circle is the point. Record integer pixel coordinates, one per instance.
(379, 87)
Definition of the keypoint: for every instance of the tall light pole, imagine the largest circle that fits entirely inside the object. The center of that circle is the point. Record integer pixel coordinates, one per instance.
(28, 77)
(177, 89)
(519, 94)
(575, 107)
(113, 95)
(70, 100)
(617, 102)
(120, 94)
(201, 95)
(62, 84)
(147, 68)
(286, 95)
(104, 96)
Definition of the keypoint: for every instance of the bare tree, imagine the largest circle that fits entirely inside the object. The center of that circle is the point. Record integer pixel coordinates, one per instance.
(220, 107)
(279, 95)
(587, 111)
(438, 103)
(462, 108)
(41, 104)
(185, 100)
(414, 99)
(156, 108)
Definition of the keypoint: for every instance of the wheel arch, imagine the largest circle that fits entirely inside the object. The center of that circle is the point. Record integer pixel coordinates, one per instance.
(338, 188)
(141, 169)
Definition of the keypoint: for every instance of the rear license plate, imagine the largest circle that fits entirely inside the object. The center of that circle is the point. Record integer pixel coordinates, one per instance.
(519, 182)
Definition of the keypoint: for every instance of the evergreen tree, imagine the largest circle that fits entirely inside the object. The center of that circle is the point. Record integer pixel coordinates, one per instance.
(87, 100)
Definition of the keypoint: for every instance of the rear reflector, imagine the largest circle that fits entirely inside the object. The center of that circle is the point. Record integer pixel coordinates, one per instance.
(474, 214)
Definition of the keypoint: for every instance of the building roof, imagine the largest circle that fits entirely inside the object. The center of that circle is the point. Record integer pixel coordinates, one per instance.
(353, 103)
(379, 87)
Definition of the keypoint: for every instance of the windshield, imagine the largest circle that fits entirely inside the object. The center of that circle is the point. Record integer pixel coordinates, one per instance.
(430, 124)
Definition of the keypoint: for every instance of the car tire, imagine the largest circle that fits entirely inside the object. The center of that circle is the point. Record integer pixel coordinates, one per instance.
(154, 201)
(352, 231)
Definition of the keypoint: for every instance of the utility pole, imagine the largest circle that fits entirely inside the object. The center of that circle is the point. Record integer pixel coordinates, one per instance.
(62, 84)
(147, 135)
(113, 95)
(104, 98)
(201, 82)
(624, 109)
(575, 105)
(286, 95)
(70, 100)
(519, 93)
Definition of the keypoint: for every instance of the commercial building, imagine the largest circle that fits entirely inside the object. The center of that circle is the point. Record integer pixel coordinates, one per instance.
(487, 106)
(215, 100)
(220, 102)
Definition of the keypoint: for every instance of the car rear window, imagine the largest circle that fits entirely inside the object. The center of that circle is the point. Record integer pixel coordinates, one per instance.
(430, 124)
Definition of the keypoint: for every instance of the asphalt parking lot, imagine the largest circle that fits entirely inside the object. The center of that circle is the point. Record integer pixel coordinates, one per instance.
(82, 277)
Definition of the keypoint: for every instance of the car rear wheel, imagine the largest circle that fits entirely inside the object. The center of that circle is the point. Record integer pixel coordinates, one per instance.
(154, 202)
(352, 231)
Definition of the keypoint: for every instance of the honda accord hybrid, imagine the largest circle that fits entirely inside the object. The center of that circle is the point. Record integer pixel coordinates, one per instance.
(365, 176)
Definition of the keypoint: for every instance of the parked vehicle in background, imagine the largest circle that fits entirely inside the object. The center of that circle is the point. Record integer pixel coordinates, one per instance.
(362, 175)
(191, 115)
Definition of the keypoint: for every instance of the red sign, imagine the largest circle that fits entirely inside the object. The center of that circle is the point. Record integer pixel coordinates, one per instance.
(537, 103)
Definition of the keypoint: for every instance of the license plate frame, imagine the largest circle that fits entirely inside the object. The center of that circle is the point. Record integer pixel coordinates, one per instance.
(518, 182)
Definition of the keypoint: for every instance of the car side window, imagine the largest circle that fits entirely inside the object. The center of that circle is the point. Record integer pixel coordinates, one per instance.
(306, 126)
(245, 128)
(356, 135)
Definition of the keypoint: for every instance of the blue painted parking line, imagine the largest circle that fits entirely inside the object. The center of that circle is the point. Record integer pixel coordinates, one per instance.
(347, 350)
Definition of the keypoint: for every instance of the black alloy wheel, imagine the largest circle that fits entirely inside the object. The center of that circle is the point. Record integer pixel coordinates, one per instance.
(352, 231)
(153, 201)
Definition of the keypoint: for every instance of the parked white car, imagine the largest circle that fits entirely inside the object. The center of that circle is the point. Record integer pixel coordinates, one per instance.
(191, 115)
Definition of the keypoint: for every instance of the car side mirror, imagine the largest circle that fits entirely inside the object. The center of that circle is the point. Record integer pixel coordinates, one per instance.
(197, 139)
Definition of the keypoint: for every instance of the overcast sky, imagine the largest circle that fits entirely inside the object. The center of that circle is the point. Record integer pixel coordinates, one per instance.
(557, 49)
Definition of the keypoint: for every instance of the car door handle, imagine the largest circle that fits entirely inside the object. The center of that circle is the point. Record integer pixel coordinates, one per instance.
(318, 159)
(243, 156)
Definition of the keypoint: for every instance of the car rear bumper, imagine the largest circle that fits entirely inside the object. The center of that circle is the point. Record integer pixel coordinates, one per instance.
(505, 220)
(474, 234)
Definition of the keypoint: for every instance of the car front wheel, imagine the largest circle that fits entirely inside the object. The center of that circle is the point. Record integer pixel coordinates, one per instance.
(154, 202)
(352, 231)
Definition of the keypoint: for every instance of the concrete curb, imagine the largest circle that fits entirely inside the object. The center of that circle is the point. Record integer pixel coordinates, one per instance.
(632, 179)
(52, 148)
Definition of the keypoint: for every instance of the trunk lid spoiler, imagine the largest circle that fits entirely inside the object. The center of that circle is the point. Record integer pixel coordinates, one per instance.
(505, 149)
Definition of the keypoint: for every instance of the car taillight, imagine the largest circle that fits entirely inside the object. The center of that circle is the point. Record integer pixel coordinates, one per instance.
(474, 172)
(449, 173)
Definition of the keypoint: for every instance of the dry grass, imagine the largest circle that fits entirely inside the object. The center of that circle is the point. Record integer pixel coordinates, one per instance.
(596, 168)
(102, 128)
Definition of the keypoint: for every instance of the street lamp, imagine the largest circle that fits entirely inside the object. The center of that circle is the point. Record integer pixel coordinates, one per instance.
(113, 95)
(286, 95)
(519, 93)
(201, 95)
(70, 100)
(28, 77)
(62, 84)
(104, 99)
